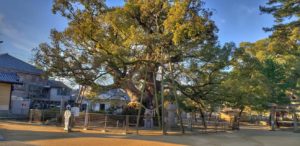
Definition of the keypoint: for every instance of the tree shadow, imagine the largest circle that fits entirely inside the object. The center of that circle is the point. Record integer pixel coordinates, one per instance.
(27, 135)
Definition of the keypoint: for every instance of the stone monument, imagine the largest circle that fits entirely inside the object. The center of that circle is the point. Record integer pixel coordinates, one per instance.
(148, 118)
(171, 115)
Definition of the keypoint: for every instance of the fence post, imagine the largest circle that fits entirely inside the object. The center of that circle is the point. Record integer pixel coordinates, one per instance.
(105, 120)
(137, 125)
(43, 118)
(86, 117)
(192, 123)
(127, 124)
(295, 121)
(217, 123)
(86, 120)
(30, 116)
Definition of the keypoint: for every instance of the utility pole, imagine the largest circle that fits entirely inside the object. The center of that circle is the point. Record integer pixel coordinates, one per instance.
(163, 126)
(0, 44)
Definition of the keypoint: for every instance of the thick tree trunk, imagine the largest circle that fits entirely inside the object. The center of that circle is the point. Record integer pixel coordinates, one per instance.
(82, 96)
(135, 94)
(236, 121)
(132, 91)
(203, 117)
(210, 114)
(176, 98)
(78, 96)
(239, 118)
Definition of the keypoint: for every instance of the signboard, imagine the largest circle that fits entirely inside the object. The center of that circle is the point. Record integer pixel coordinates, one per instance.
(20, 107)
(75, 111)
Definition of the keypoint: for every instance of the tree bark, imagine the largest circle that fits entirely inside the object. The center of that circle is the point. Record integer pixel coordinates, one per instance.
(236, 121)
(203, 118)
(132, 91)
(210, 113)
(135, 94)
(176, 99)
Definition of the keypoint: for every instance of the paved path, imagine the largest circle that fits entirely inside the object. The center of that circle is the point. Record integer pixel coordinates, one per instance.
(29, 135)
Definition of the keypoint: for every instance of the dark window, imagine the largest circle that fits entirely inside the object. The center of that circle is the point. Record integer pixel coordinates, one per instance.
(63, 91)
(20, 87)
(35, 91)
(102, 107)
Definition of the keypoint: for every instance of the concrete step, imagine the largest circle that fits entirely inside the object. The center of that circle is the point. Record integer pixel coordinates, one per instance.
(8, 115)
(4, 112)
(1, 138)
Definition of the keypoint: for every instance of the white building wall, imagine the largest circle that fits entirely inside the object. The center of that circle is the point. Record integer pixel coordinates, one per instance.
(55, 97)
(96, 107)
(107, 106)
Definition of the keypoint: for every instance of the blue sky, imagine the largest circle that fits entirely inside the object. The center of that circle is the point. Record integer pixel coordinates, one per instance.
(25, 24)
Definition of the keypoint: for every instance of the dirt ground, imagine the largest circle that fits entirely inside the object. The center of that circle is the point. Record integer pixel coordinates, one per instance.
(20, 134)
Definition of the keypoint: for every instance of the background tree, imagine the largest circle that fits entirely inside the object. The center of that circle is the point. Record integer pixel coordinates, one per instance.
(284, 44)
(283, 10)
(199, 79)
(277, 57)
(244, 85)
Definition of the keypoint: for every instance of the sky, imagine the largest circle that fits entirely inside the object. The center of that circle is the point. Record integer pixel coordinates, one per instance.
(26, 24)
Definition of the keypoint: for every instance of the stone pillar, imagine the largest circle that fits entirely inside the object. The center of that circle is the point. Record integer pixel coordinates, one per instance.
(148, 118)
(189, 119)
(171, 110)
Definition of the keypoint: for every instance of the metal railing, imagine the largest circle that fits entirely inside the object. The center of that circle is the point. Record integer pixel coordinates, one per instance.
(126, 123)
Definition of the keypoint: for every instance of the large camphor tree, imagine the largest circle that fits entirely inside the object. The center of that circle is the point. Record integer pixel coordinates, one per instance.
(123, 47)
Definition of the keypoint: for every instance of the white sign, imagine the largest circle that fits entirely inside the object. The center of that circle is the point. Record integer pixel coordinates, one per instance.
(75, 111)
(188, 115)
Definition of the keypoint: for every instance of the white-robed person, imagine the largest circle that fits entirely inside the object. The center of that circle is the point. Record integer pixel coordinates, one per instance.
(67, 116)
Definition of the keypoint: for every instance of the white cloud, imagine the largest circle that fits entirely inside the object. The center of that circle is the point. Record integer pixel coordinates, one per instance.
(249, 10)
(16, 37)
(222, 20)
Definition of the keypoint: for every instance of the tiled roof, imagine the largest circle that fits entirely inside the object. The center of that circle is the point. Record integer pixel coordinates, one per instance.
(115, 94)
(9, 78)
(57, 84)
(10, 62)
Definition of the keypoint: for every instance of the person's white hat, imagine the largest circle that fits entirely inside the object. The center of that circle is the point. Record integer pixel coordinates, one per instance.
(68, 106)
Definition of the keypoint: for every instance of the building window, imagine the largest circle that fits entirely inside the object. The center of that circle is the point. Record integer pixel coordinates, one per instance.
(35, 91)
(21, 87)
(63, 91)
(102, 107)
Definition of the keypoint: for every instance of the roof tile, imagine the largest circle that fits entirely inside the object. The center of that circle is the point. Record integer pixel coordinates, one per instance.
(9, 62)
(9, 78)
